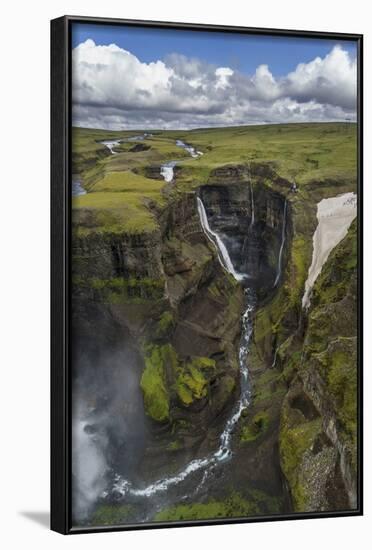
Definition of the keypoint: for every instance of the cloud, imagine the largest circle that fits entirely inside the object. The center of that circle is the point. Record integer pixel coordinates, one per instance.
(112, 88)
(330, 80)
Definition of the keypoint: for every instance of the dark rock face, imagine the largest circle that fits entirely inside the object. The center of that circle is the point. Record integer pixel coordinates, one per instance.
(250, 219)
(107, 256)
(161, 303)
(167, 292)
(139, 147)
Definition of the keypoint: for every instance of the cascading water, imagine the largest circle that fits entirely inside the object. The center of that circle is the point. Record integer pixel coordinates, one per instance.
(189, 148)
(252, 197)
(123, 487)
(167, 171)
(284, 223)
(110, 144)
(252, 206)
(218, 243)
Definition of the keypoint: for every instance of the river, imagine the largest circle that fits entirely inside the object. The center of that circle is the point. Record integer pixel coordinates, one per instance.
(123, 487)
(167, 169)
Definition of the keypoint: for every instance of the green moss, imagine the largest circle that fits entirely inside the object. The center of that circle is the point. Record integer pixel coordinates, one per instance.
(191, 385)
(174, 446)
(153, 381)
(119, 290)
(256, 427)
(301, 252)
(294, 441)
(342, 384)
(267, 386)
(116, 212)
(202, 363)
(165, 323)
(234, 506)
(110, 514)
(192, 379)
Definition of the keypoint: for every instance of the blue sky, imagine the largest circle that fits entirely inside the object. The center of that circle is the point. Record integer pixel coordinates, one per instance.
(128, 77)
(238, 51)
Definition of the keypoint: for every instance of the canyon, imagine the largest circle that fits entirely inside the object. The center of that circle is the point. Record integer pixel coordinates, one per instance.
(199, 379)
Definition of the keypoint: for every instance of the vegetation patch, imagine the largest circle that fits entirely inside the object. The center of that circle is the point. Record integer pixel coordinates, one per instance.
(110, 514)
(256, 427)
(165, 324)
(295, 440)
(154, 382)
(192, 379)
(119, 290)
(233, 506)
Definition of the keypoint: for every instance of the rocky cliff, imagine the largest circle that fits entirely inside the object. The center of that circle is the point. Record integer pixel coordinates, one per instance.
(318, 422)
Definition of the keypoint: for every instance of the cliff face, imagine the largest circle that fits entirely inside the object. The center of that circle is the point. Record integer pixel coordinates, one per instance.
(254, 221)
(318, 426)
(179, 309)
(168, 294)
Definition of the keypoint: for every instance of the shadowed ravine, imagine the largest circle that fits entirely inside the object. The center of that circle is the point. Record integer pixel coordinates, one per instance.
(123, 488)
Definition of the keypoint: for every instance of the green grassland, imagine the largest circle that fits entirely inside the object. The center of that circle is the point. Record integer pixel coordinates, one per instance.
(118, 186)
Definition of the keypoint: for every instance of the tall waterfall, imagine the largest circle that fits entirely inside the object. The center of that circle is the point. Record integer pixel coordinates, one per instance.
(252, 205)
(284, 224)
(216, 240)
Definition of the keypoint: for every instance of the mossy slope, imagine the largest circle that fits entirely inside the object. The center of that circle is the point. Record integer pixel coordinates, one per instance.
(318, 426)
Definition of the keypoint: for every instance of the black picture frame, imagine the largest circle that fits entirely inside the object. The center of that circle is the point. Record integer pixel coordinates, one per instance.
(61, 264)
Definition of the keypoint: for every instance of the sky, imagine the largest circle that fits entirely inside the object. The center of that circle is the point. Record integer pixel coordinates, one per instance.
(135, 77)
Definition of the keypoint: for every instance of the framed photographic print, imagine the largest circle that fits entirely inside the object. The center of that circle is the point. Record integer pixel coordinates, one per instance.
(206, 274)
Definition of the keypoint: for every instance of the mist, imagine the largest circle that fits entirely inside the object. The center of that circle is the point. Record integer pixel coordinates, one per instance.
(108, 420)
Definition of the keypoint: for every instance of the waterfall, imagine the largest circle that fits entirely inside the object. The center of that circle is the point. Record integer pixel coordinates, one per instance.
(252, 205)
(252, 197)
(191, 150)
(167, 171)
(216, 240)
(279, 270)
(110, 144)
(275, 356)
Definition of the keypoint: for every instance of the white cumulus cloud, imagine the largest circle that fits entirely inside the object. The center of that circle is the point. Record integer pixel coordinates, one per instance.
(112, 88)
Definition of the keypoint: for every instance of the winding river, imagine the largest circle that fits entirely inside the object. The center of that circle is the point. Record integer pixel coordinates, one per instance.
(112, 143)
(167, 169)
